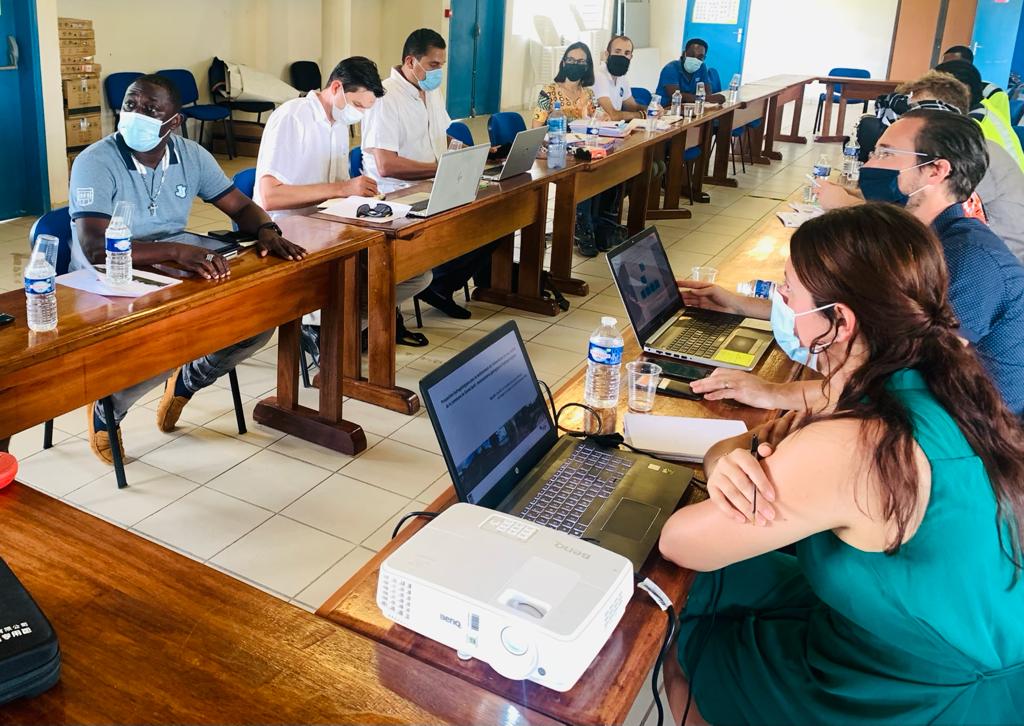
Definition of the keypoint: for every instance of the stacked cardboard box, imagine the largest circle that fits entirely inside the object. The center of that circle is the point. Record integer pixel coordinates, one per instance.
(80, 75)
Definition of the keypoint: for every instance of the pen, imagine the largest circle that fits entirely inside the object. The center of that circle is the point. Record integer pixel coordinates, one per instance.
(754, 443)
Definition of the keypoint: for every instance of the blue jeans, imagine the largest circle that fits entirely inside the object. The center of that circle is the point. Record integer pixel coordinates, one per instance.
(195, 375)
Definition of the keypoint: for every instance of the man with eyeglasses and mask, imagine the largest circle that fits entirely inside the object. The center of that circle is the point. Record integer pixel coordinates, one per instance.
(145, 163)
(684, 74)
(929, 162)
(404, 136)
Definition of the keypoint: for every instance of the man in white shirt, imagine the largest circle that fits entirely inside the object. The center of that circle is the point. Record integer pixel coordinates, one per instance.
(404, 136)
(303, 158)
(611, 86)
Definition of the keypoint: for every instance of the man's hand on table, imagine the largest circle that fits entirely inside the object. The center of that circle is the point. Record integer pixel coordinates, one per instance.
(209, 265)
(834, 196)
(270, 242)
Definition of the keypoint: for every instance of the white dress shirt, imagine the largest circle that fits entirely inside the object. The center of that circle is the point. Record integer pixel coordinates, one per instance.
(301, 145)
(403, 122)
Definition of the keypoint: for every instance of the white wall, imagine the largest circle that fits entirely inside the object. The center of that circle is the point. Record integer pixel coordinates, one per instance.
(53, 102)
(782, 36)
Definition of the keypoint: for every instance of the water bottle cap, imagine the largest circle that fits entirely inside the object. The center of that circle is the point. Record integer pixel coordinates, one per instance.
(609, 320)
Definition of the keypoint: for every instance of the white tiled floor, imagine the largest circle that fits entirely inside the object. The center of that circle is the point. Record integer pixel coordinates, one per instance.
(296, 519)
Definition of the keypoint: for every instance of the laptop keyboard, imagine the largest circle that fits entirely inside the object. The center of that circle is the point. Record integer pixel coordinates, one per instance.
(589, 473)
(493, 170)
(702, 336)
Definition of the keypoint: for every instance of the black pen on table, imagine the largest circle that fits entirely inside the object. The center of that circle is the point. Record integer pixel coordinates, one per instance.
(754, 444)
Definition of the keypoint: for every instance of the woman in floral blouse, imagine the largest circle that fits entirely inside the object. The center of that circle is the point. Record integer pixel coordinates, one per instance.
(597, 218)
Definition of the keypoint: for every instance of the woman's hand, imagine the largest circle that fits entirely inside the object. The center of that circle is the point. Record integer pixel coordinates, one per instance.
(746, 388)
(732, 483)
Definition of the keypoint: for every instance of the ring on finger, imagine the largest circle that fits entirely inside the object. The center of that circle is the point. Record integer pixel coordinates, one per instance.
(209, 257)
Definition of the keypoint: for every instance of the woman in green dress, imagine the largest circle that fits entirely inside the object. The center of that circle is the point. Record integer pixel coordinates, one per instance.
(904, 498)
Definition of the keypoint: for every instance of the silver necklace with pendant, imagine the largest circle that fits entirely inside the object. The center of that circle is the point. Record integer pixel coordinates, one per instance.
(153, 196)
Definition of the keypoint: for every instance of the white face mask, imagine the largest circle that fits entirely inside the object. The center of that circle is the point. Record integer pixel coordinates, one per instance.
(347, 114)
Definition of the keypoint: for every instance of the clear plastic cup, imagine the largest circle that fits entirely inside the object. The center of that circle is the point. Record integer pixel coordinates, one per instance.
(688, 111)
(642, 378)
(703, 273)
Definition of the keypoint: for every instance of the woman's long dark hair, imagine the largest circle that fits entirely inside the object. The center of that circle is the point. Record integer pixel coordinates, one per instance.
(889, 269)
(588, 79)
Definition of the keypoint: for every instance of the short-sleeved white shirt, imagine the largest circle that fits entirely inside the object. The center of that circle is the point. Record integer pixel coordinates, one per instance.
(615, 89)
(401, 122)
(301, 145)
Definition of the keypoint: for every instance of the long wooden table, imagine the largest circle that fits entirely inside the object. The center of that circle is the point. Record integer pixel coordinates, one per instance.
(151, 636)
(862, 89)
(103, 345)
(608, 688)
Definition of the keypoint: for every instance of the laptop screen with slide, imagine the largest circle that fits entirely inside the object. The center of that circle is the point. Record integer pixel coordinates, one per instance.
(491, 419)
(646, 283)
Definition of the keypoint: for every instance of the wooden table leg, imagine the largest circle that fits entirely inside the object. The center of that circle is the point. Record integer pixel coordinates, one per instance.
(325, 427)
(562, 231)
(794, 136)
(772, 127)
(669, 209)
(757, 137)
(639, 195)
(826, 120)
(352, 350)
(721, 177)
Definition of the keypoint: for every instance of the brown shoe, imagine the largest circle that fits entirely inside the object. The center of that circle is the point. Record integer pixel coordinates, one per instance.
(99, 441)
(171, 406)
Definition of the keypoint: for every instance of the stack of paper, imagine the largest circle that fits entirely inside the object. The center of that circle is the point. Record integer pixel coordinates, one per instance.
(800, 214)
(347, 207)
(677, 438)
(94, 280)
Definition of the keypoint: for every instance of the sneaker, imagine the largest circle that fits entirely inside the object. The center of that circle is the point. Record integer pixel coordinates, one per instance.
(446, 305)
(585, 242)
(99, 439)
(609, 236)
(171, 403)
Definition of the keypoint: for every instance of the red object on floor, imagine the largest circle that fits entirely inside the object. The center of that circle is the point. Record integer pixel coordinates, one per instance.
(8, 468)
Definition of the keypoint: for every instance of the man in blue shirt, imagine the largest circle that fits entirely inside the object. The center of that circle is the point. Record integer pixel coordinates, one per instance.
(684, 74)
(161, 173)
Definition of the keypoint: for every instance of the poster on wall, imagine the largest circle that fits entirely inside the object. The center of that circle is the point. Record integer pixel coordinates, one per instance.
(722, 12)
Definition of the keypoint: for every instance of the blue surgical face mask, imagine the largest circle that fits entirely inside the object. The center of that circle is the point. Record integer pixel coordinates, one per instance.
(784, 329)
(692, 65)
(433, 79)
(141, 133)
(883, 185)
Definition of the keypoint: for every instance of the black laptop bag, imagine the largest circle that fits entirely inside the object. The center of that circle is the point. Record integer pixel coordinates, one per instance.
(29, 652)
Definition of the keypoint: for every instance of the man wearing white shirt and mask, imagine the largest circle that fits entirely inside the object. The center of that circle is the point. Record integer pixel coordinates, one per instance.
(303, 157)
(611, 86)
(404, 137)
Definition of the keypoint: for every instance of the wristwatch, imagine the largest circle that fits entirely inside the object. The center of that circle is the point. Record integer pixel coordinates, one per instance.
(269, 225)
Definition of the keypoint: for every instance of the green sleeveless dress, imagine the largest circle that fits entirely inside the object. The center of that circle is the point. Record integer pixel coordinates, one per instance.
(835, 635)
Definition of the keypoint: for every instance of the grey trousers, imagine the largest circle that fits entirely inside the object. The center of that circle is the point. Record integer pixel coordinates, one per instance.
(195, 375)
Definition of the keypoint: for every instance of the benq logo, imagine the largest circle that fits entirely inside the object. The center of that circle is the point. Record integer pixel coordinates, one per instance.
(451, 621)
(571, 551)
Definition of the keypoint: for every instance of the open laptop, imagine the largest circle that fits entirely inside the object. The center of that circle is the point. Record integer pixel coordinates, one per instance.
(664, 326)
(504, 453)
(455, 183)
(520, 157)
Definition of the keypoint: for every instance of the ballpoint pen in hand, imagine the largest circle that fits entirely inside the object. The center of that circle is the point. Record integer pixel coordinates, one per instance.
(754, 443)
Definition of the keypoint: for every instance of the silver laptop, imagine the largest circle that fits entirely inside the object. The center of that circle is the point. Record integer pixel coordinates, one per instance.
(520, 157)
(455, 183)
(664, 326)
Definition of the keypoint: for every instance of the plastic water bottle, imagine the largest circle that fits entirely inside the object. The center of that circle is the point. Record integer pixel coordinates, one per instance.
(822, 167)
(119, 245)
(556, 138)
(851, 159)
(41, 285)
(677, 104)
(734, 88)
(700, 97)
(604, 361)
(594, 130)
(653, 111)
(757, 288)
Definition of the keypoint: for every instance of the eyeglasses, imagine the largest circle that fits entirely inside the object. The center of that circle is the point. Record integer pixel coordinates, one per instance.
(888, 152)
(576, 61)
(377, 212)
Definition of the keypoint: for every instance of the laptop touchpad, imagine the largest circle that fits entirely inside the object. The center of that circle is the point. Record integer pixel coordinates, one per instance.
(631, 519)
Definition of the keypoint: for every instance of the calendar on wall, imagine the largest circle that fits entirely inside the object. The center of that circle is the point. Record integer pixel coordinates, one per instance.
(723, 12)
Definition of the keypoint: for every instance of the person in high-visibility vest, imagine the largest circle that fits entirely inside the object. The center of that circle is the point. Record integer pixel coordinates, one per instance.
(995, 124)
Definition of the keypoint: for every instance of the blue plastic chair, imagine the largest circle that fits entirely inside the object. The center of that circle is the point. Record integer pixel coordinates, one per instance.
(1016, 111)
(185, 82)
(503, 126)
(642, 96)
(460, 131)
(115, 86)
(355, 162)
(245, 181)
(848, 73)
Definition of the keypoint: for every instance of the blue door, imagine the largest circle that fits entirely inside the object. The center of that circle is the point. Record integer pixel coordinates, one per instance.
(995, 36)
(476, 37)
(22, 152)
(723, 24)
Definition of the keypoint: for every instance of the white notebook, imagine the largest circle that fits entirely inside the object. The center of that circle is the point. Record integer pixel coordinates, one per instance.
(676, 437)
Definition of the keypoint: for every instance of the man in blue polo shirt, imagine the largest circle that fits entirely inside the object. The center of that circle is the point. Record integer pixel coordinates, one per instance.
(684, 74)
(144, 163)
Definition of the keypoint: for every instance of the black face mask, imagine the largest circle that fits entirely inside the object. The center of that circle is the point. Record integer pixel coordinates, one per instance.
(618, 65)
(574, 72)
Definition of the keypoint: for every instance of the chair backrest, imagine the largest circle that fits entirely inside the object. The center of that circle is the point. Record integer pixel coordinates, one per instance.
(116, 85)
(245, 181)
(641, 95)
(305, 76)
(850, 72)
(355, 162)
(460, 131)
(57, 223)
(184, 81)
(503, 126)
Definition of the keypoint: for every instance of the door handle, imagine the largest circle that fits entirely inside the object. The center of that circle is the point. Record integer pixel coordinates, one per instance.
(12, 54)
(739, 35)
